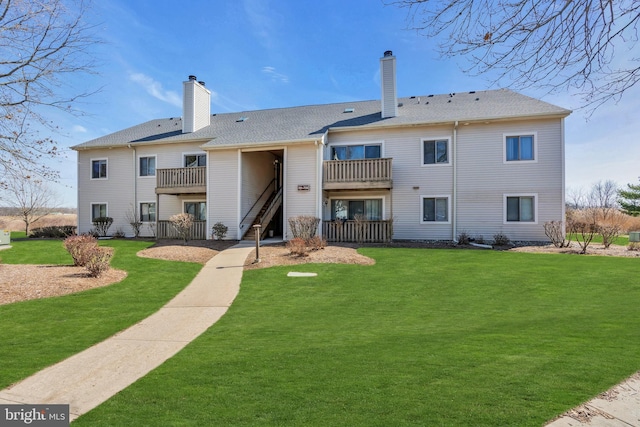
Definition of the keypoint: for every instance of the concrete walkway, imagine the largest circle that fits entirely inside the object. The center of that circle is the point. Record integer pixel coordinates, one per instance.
(89, 378)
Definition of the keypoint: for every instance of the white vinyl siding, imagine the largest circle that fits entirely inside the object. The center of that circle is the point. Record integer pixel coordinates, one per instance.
(301, 168)
(224, 190)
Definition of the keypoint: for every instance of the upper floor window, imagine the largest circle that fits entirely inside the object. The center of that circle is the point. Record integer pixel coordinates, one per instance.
(520, 208)
(148, 166)
(435, 152)
(519, 147)
(435, 209)
(354, 152)
(370, 209)
(194, 160)
(99, 169)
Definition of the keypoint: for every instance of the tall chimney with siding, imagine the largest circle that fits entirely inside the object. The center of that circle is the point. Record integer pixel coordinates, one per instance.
(388, 75)
(196, 105)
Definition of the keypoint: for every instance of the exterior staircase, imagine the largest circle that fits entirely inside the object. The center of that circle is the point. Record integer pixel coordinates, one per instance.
(265, 215)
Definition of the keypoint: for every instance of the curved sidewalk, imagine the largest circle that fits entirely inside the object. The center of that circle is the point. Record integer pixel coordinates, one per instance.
(89, 378)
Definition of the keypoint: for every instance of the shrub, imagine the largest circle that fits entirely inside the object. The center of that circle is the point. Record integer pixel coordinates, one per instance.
(298, 247)
(464, 238)
(182, 223)
(133, 221)
(479, 239)
(53, 232)
(555, 232)
(583, 232)
(98, 259)
(316, 243)
(500, 239)
(79, 248)
(304, 226)
(634, 246)
(102, 225)
(119, 234)
(219, 230)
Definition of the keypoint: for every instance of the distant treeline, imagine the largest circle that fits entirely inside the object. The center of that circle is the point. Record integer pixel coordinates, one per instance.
(11, 211)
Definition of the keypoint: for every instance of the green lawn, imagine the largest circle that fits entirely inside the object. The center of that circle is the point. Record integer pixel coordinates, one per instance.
(38, 333)
(424, 337)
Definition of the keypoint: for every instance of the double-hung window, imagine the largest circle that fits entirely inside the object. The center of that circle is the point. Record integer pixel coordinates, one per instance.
(520, 148)
(148, 212)
(435, 152)
(99, 169)
(148, 166)
(344, 209)
(355, 152)
(98, 210)
(435, 209)
(520, 208)
(197, 209)
(194, 160)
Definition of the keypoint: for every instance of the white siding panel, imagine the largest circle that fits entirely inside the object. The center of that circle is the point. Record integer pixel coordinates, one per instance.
(301, 168)
(222, 202)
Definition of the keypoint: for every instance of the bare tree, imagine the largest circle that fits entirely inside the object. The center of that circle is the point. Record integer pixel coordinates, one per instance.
(41, 44)
(31, 198)
(586, 45)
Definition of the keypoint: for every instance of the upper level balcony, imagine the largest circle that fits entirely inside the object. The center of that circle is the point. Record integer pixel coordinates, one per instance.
(181, 180)
(361, 174)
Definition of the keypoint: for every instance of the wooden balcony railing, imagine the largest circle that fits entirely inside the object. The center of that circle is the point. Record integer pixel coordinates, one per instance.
(357, 174)
(360, 232)
(167, 231)
(181, 180)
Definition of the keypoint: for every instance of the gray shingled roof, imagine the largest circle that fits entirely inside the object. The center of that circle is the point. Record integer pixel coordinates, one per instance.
(312, 121)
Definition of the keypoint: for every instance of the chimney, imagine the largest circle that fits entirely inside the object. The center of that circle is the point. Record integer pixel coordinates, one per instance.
(388, 75)
(196, 105)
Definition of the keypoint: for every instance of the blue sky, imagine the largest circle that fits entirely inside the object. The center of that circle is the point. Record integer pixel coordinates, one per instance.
(256, 54)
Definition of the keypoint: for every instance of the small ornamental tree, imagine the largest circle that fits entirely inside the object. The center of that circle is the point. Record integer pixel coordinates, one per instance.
(102, 225)
(182, 223)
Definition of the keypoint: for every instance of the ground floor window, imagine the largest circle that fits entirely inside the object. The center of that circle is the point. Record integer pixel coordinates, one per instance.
(98, 210)
(148, 212)
(197, 209)
(348, 209)
(520, 208)
(435, 209)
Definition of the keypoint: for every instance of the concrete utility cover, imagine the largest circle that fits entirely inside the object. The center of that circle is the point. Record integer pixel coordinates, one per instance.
(294, 274)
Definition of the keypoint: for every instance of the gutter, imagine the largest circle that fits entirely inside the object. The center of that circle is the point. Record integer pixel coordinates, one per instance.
(135, 184)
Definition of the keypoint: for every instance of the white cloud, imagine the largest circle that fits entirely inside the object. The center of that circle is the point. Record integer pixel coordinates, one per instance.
(79, 129)
(155, 89)
(275, 76)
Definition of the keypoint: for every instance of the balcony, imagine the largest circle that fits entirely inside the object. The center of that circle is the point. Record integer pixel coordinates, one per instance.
(181, 180)
(361, 174)
(167, 231)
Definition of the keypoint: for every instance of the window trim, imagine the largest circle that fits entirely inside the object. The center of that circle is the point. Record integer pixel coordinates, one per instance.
(535, 209)
(155, 168)
(206, 211)
(91, 204)
(193, 153)
(435, 139)
(142, 202)
(519, 134)
(332, 198)
(352, 143)
(106, 163)
(435, 196)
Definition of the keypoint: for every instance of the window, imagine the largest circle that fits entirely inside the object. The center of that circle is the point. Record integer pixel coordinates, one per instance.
(520, 208)
(197, 209)
(99, 169)
(193, 160)
(147, 212)
(435, 209)
(519, 147)
(147, 166)
(348, 209)
(98, 210)
(435, 152)
(354, 152)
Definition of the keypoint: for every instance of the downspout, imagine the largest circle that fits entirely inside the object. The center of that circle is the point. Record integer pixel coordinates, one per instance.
(135, 185)
(454, 208)
(319, 157)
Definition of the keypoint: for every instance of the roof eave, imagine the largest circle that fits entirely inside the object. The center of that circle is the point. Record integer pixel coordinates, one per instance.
(318, 138)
